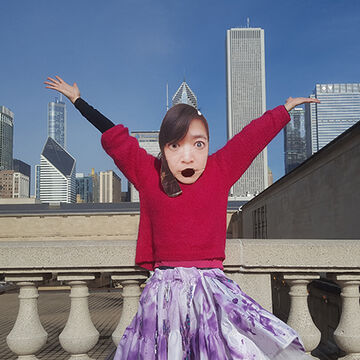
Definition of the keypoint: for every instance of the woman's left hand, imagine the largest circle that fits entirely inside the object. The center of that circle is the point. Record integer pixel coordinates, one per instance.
(58, 84)
(293, 102)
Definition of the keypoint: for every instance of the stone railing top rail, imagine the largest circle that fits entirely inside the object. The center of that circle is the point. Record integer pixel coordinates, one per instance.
(252, 255)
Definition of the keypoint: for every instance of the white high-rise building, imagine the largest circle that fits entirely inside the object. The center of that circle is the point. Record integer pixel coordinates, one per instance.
(57, 121)
(148, 140)
(338, 110)
(57, 182)
(246, 99)
(109, 187)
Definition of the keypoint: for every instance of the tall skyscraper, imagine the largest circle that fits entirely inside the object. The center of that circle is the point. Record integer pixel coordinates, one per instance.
(6, 138)
(95, 186)
(184, 95)
(57, 174)
(84, 188)
(339, 109)
(245, 70)
(295, 140)
(57, 122)
(148, 140)
(110, 187)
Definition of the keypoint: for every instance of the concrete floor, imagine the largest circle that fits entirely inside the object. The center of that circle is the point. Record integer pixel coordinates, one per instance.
(54, 306)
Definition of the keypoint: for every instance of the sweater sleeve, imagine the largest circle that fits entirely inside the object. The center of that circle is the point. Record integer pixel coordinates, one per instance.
(101, 122)
(132, 160)
(124, 149)
(240, 151)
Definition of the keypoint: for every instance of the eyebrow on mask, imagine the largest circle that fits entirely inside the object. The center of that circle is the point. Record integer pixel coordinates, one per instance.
(199, 137)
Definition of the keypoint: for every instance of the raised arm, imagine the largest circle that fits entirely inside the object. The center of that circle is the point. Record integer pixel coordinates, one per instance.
(133, 161)
(240, 151)
(101, 122)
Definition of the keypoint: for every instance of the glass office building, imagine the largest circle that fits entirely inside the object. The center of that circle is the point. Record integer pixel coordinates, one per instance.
(245, 73)
(6, 138)
(339, 110)
(295, 140)
(57, 122)
(84, 188)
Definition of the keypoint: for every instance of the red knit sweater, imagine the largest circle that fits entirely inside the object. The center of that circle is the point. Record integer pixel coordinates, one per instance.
(192, 226)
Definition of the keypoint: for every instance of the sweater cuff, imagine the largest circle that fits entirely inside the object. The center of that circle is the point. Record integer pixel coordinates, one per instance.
(80, 103)
(285, 113)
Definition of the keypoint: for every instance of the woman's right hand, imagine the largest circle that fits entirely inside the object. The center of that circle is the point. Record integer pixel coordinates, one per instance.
(71, 92)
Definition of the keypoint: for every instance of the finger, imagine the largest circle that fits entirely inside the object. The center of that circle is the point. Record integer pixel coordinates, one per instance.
(49, 84)
(59, 78)
(53, 80)
(311, 100)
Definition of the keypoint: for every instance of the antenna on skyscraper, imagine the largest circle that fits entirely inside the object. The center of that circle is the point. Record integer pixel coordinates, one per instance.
(248, 22)
(167, 96)
(60, 97)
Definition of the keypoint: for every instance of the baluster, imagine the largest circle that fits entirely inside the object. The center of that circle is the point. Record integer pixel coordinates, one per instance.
(27, 336)
(347, 334)
(79, 335)
(131, 294)
(299, 317)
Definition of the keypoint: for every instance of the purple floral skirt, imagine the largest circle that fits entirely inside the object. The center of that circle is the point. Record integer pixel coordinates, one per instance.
(190, 313)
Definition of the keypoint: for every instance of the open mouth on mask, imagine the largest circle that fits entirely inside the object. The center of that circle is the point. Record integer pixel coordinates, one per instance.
(188, 172)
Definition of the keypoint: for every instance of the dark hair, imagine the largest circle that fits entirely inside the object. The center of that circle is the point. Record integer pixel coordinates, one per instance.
(176, 124)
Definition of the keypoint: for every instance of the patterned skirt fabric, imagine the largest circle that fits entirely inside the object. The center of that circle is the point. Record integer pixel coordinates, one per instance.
(190, 313)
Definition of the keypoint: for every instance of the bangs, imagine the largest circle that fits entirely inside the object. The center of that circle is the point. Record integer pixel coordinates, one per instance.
(176, 124)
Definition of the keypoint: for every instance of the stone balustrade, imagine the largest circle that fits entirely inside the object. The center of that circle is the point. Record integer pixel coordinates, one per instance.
(252, 263)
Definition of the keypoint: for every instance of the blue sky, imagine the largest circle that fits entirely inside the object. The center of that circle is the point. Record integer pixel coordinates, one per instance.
(123, 52)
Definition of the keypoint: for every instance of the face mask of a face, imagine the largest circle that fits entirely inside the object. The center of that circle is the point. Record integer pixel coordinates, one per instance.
(187, 158)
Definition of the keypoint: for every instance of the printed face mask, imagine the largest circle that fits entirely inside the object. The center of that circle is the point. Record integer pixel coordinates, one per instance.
(187, 158)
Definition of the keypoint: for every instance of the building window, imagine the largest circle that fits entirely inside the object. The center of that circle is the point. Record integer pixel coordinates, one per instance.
(259, 223)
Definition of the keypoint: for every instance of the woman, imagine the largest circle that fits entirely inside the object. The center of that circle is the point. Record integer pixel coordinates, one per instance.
(189, 309)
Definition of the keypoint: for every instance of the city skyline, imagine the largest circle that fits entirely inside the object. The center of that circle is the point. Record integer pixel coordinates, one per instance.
(126, 76)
